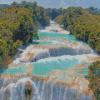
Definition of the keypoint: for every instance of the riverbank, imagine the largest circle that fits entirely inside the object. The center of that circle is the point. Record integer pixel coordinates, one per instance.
(7, 61)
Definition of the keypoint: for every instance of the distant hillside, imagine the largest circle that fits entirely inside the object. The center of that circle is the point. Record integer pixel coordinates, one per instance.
(98, 9)
(3, 5)
(83, 25)
(17, 25)
(53, 13)
(93, 11)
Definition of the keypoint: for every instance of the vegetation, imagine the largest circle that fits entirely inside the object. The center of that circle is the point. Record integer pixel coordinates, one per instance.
(83, 25)
(92, 10)
(53, 13)
(3, 5)
(94, 77)
(18, 22)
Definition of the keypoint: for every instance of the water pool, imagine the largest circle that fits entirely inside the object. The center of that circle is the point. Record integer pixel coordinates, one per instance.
(16, 70)
(55, 35)
(45, 66)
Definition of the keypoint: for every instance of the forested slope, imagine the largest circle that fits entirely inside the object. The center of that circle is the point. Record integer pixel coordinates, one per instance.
(94, 77)
(92, 10)
(83, 25)
(53, 12)
(17, 24)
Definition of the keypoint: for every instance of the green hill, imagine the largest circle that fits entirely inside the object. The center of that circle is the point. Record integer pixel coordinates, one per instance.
(83, 25)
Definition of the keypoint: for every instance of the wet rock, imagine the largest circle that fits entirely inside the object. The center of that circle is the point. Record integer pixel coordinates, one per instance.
(33, 54)
(28, 90)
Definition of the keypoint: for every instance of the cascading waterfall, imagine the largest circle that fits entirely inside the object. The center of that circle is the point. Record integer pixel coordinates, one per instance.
(65, 94)
(60, 92)
(55, 59)
(24, 89)
(70, 51)
(41, 54)
(32, 89)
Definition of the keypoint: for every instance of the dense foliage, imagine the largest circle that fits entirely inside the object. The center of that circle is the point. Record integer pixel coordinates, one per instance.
(83, 25)
(18, 22)
(94, 77)
(92, 10)
(53, 13)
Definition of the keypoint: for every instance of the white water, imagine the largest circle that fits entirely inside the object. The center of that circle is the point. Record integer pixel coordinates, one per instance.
(34, 54)
(41, 91)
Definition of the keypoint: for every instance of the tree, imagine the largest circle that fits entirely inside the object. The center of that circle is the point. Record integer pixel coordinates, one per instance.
(3, 46)
(86, 27)
(23, 2)
(6, 35)
(25, 27)
(94, 77)
(17, 25)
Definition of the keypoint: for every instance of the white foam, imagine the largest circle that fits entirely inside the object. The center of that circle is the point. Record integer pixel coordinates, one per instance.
(78, 57)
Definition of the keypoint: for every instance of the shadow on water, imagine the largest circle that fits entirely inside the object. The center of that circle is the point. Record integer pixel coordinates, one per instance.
(2, 70)
(42, 27)
(96, 52)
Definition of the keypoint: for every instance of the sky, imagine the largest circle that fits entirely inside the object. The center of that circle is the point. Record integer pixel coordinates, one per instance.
(59, 3)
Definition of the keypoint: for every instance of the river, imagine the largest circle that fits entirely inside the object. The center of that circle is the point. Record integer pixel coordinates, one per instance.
(51, 68)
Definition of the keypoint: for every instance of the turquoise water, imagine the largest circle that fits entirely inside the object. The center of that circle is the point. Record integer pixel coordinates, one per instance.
(86, 70)
(12, 71)
(53, 23)
(45, 42)
(83, 72)
(85, 43)
(54, 35)
(45, 66)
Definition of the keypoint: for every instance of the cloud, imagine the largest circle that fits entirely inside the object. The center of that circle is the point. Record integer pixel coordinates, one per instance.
(48, 1)
(63, 4)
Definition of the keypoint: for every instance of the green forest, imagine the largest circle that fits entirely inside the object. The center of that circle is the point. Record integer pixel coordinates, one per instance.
(82, 24)
(18, 23)
(94, 77)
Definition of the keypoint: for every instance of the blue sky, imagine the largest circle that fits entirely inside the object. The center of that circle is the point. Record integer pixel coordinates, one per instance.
(60, 3)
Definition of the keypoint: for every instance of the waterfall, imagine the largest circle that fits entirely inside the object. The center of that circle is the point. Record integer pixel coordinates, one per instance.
(60, 93)
(23, 89)
(33, 54)
(45, 59)
(51, 91)
(70, 51)
(41, 54)
(65, 98)
(32, 89)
